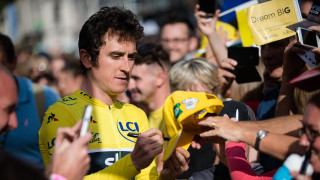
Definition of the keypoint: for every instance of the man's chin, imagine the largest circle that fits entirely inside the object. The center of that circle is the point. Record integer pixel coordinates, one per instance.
(175, 58)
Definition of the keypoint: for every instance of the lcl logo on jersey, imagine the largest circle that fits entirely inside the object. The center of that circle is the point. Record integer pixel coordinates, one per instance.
(125, 127)
(50, 146)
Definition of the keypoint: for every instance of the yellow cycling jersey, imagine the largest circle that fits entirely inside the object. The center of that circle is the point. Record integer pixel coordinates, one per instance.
(110, 146)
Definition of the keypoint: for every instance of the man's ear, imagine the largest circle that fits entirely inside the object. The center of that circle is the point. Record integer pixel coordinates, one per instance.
(85, 58)
(160, 78)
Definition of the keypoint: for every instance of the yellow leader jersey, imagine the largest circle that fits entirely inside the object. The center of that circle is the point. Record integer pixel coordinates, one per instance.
(110, 146)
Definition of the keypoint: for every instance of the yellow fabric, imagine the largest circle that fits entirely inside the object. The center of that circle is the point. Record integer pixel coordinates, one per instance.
(245, 33)
(156, 121)
(182, 110)
(109, 147)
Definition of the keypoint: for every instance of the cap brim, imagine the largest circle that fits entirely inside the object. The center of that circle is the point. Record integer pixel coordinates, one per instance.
(307, 81)
(304, 24)
(181, 139)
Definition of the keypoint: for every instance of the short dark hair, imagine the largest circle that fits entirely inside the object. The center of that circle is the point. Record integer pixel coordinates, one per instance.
(7, 47)
(179, 17)
(150, 53)
(115, 21)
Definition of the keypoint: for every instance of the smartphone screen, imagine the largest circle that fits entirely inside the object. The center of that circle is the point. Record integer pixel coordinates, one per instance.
(245, 56)
(309, 37)
(208, 6)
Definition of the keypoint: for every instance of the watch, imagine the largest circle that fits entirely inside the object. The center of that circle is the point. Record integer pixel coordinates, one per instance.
(260, 135)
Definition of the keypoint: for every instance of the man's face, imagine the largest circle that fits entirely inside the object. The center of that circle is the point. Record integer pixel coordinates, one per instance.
(68, 84)
(9, 99)
(272, 57)
(311, 122)
(115, 62)
(142, 84)
(175, 40)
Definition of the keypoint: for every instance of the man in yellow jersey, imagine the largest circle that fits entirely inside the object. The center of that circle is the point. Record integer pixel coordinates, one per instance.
(107, 48)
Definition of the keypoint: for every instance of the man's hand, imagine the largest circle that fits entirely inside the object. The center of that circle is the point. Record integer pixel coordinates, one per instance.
(148, 145)
(176, 164)
(225, 77)
(205, 25)
(222, 126)
(70, 157)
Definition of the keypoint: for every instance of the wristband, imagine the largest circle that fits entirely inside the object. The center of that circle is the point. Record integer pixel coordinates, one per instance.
(57, 177)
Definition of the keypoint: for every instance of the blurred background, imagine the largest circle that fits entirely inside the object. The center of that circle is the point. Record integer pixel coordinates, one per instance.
(53, 26)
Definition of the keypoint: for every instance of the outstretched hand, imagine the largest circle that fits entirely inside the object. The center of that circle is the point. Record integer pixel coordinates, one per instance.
(221, 126)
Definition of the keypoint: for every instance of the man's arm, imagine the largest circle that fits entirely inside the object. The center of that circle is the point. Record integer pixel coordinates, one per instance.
(47, 133)
(69, 150)
(277, 145)
(293, 66)
(288, 125)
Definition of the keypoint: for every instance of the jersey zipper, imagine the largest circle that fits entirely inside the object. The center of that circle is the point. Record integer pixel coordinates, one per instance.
(115, 132)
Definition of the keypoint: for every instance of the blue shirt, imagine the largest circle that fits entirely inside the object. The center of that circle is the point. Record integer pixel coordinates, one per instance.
(23, 142)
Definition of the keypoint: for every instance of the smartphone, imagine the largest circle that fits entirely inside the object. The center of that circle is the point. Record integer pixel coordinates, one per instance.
(247, 74)
(245, 56)
(248, 59)
(86, 119)
(307, 38)
(208, 6)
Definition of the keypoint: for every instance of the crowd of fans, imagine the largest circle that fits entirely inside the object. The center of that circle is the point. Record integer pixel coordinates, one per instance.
(127, 78)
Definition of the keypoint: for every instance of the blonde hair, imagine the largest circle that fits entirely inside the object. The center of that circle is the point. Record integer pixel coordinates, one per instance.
(302, 97)
(185, 74)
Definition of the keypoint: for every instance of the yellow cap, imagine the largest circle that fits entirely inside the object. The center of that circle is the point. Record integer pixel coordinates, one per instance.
(182, 110)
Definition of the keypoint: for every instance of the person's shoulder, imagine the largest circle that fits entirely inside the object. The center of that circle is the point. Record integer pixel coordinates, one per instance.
(50, 93)
(127, 106)
(70, 100)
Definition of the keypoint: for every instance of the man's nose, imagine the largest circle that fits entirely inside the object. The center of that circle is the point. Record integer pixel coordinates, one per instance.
(304, 141)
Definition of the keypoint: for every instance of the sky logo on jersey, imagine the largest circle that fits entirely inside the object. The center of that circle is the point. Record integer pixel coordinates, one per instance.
(52, 118)
(125, 127)
(68, 100)
(101, 159)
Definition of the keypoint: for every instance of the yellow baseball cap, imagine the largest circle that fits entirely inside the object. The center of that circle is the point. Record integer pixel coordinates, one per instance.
(182, 110)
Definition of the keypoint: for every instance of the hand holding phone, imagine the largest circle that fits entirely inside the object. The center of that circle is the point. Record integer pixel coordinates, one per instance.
(86, 120)
(208, 6)
(308, 38)
(247, 58)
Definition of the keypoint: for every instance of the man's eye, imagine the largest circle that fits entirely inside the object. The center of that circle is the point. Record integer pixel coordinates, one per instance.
(115, 56)
(131, 57)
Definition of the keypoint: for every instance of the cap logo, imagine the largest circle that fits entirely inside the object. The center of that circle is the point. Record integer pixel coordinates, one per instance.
(177, 111)
(196, 115)
(190, 103)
